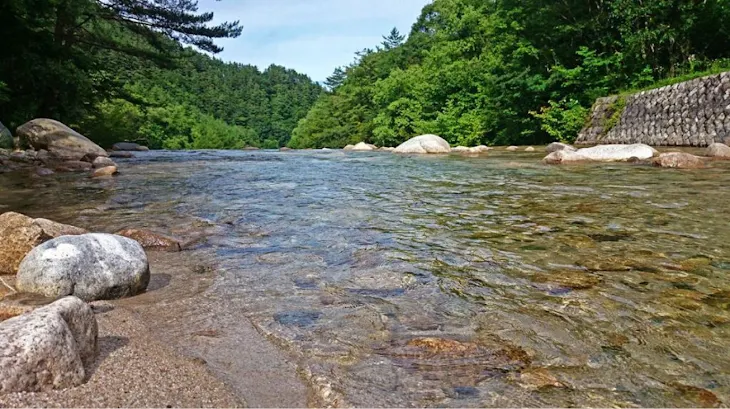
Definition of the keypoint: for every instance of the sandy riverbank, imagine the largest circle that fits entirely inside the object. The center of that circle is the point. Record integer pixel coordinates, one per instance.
(160, 350)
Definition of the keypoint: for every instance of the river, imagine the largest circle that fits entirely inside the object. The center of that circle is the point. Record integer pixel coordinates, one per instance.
(444, 280)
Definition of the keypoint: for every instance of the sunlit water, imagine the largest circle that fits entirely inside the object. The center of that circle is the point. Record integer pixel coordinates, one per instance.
(446, 281)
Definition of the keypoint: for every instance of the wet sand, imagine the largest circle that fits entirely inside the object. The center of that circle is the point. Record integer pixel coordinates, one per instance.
(155, 352)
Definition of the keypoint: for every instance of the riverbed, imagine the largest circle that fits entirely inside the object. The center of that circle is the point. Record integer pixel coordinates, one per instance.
(459, 281)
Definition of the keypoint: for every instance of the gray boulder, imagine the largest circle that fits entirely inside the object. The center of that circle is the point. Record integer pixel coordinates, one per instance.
(6, 138)
(52, 347)
(558, 146)
(129, 146)
(424, 144)
(718, 150)
(91, 266)
(59, 140)
(679, 160)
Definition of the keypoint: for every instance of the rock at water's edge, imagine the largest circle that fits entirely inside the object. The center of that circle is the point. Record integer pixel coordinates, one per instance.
(58, 139)
(52, 347)
(121, 154)
(362, 146)
(348, 147)
(102, 162)
(6, 138)
(512, 148)
(91, 266)
(19, 234)
(424, 144)
(602, 153)
(105, 171)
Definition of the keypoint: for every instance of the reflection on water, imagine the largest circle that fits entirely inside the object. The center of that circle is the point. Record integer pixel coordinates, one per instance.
(446, 281)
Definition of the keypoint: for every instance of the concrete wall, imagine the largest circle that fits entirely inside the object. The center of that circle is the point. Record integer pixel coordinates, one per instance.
(692, 113)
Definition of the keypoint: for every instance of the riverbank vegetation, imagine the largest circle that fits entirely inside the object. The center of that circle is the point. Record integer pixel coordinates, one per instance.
(513, 71)
(125, 70)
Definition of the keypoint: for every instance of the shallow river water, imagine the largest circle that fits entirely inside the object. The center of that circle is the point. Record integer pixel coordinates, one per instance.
(445, 281)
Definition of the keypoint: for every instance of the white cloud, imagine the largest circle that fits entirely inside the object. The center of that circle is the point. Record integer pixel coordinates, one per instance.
(310, 36)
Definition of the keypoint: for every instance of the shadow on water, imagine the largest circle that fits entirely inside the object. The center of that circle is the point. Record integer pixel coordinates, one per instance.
(447, 280)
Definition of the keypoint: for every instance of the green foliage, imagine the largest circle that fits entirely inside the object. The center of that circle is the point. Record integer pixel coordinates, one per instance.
(513, 71)
(617, 109)
(563, 120)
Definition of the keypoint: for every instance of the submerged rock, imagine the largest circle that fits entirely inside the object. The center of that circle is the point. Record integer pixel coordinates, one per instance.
(129, 146)
(19, 234)
(284, 149)
(718, 150)
(362, 146)
(679, 160)
(90, 266)
(424, 144)
(602, 153)
(150, 240)
(559, 146)
(44, 172)
(529, 149)
(58, 139)
(52, 347)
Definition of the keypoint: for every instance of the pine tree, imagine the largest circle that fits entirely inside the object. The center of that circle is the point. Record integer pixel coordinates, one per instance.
(393, 40)
(336, 79)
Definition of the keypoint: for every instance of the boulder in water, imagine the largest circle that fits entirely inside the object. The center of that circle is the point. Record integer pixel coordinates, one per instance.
(150, 240)
(348, 147)
(679, 160)
(529, 149)
(51, 347)
(6, 138)
(480, 149)
(104, 172)
(91, 266)
(512, 148)
(102, 162)
(129, 146)
(558, 146)
(602, 153)
(362, 146)
(19, 234)
(284, 149)
(59, 140)
(718, 151)
(460, 149)
(424, 144)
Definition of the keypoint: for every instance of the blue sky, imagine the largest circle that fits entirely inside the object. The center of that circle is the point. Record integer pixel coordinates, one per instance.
(310, 36)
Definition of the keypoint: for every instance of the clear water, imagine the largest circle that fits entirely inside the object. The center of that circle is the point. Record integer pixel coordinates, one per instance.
(445, 281)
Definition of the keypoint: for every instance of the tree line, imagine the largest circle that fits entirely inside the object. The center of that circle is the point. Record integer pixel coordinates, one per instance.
(513, 71)
(133, 70)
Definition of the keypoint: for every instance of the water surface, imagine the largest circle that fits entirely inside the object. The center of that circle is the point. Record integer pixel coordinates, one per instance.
(445, 281)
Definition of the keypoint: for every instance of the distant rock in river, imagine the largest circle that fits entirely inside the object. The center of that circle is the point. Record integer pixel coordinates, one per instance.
(424, 144)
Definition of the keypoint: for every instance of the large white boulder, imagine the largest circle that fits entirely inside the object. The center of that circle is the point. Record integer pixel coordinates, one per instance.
(49, 348)
(61, 141)
(424, 144)
(362, 146)
(602, 153)
(92, 266)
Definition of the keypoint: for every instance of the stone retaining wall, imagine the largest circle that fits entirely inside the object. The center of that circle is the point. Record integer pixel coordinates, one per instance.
(692, 113)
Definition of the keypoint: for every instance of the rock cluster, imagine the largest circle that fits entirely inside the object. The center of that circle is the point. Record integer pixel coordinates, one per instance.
(51, 146)
(692, 113)
(53, 347)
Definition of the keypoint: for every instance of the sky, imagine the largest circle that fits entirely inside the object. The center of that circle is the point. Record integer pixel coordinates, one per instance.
(311, 36)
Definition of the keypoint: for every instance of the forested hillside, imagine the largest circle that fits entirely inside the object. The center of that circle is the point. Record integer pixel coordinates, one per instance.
(513, 71)
(124, 70)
